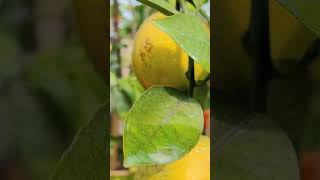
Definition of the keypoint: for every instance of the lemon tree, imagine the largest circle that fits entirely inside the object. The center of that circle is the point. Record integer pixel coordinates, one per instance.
(171, 58)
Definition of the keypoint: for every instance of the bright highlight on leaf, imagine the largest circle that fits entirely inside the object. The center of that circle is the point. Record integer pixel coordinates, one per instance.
(190, 33)
(162, 126)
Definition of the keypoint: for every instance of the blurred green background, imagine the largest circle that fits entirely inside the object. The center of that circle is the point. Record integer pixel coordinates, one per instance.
(48, 86)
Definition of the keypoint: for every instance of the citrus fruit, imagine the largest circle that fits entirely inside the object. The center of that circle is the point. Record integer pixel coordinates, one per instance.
(193, 166)
(158, 60)
(232, 66)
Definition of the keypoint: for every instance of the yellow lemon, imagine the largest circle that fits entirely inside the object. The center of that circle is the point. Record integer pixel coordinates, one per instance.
(158, 60)
(193, 166)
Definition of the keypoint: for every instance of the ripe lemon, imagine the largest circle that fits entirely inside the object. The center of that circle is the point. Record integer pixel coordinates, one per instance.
(158, 60)
(232, 66)
(193, 166)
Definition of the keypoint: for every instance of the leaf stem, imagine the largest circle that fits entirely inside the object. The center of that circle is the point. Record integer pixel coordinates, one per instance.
(259, 42)
(192, 82)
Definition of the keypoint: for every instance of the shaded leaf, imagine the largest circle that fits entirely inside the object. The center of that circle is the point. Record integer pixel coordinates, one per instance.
(306, 11)
(251, 147)
(86, 158)
(190, 33)
(162, 126)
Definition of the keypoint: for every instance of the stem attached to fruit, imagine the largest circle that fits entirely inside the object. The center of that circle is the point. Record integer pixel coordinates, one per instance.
(192, 81)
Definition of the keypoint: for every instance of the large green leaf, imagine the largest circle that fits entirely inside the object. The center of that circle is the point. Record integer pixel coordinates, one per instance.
(250, 146)
(86, 158)
(190, 33)
(160, 5)
(306, 11)
(162, 126)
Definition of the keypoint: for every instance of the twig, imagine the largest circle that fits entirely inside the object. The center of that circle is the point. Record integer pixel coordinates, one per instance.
(191, 76)
(259, 44)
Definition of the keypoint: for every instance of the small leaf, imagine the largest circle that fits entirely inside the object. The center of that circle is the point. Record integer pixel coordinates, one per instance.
(162, 126)
(306, 11)
(86, 158)
(189, 32)
(160, 5)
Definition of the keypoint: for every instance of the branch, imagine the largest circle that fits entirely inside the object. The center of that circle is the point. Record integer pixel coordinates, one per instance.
(259, 46)
(192, 82)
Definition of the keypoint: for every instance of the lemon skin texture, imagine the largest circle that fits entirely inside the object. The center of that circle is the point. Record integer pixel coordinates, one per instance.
(158, 60)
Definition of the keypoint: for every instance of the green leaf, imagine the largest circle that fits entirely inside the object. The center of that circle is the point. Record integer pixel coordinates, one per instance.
(199, 3)
(172, 3)
(162, 126)
(191, 8)
(131, 86)
(250, 146)
(306, 11)
(189, 32)
(160, 5)
(202, 95)
(86, 158)
(113, 79)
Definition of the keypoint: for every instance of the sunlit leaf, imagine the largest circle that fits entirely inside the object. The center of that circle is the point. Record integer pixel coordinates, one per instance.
(162, 126)
(190, 33)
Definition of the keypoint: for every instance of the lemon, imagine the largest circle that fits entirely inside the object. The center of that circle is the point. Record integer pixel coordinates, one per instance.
(193, 166)
(158, 60)
(232, 66)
